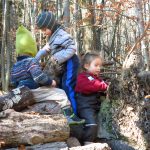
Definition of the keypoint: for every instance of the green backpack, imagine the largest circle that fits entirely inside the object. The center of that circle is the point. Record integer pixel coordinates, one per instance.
(25, 43)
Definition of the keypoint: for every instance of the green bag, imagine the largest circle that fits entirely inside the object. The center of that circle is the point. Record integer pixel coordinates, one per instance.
(25, 43)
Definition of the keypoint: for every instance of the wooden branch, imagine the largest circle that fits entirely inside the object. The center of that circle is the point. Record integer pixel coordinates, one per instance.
(135, 45)
(110, 73)
(108, 63)
(24, 128)
(111, 55)
(92, 8)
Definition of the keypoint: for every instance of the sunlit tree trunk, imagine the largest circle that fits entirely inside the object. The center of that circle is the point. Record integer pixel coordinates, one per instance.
(66, 13)
(3, 50)
(87, 25)
(99, 32)
(59, 10)
(141, 31)
(76, 14)
(8, 47)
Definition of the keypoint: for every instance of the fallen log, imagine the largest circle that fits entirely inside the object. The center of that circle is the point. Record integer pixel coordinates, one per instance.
(63, 146)
(24, 128)
(48, 146)
(45, 108)
(17, 99)
(93, 146)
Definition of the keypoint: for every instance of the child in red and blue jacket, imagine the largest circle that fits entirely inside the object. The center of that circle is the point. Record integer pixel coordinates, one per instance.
(88, 86)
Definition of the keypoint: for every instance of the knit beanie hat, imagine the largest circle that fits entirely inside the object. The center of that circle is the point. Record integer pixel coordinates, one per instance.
(46, 20)
(25, 43)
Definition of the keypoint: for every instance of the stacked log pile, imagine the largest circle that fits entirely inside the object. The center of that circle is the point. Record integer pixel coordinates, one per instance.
(29, 129)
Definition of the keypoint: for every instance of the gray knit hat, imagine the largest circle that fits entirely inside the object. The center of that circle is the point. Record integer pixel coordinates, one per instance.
(46, 20)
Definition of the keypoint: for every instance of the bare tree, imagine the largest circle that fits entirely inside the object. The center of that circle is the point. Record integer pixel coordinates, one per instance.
(3, 50)
(140, 20)
(66, 13)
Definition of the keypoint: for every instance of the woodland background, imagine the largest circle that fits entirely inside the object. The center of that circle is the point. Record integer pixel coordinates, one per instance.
(119, 30)
(111, 27)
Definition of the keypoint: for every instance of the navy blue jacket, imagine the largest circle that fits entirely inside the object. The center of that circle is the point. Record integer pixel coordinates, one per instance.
(27, 71)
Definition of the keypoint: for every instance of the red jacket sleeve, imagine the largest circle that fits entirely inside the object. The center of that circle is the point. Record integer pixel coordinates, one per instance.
(88, 84)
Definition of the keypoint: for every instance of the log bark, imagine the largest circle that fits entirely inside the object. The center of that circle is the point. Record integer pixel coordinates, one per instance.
(17, 99)
(73, 142)
(93, 146)
(24, 128)
(48, 146)
(63, 146)
(45, 108)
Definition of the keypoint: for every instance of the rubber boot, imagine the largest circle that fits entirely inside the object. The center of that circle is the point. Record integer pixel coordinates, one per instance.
(71, 117)
(90, 134)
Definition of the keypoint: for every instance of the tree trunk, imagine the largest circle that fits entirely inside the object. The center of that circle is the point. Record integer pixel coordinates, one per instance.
(8, 48)
(22, 128)
(3, 49)
(130, 117)
(87, 25)
(75, 25)
(66, 13)
(141, 31)
(99, 23)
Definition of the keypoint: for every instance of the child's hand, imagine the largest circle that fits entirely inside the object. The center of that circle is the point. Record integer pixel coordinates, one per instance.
(46, 47)
(53, 83)
(42, 64)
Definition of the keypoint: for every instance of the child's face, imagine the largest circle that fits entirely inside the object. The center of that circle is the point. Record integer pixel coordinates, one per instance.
(94, 66)
(46, 31)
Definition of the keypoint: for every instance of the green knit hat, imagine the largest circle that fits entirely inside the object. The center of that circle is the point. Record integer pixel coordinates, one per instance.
(25, 43)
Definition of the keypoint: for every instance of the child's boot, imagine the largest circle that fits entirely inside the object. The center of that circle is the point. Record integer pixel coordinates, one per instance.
(71, 117)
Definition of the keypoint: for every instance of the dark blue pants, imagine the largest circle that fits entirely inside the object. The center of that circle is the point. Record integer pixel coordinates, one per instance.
(69, 80)
(88, 107)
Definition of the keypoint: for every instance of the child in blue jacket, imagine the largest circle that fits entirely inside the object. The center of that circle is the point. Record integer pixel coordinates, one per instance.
(61, 49)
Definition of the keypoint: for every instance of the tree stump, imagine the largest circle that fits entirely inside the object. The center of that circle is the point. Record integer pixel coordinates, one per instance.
(23, 128)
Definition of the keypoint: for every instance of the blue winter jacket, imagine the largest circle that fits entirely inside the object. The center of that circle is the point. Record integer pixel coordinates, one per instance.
(61, 46)
(27, 71)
